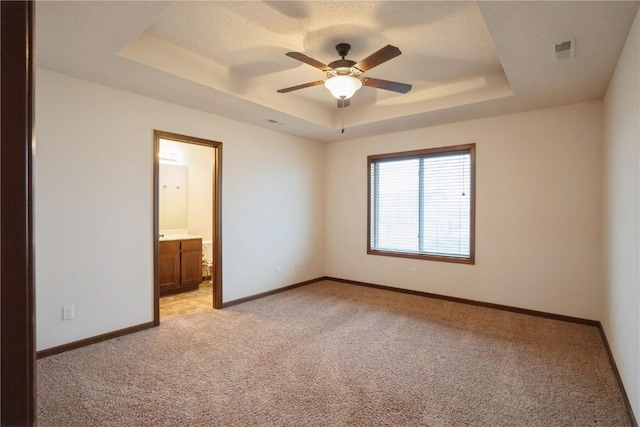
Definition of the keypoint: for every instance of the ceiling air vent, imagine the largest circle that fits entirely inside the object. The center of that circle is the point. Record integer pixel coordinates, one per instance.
(564, 49)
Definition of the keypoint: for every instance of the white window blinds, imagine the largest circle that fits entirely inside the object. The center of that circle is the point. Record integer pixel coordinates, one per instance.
(421, 204)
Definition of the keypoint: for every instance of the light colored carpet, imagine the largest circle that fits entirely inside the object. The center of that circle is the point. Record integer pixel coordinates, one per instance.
(330, 354)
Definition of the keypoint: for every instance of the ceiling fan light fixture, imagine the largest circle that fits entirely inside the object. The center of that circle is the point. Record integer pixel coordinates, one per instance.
(343, 87)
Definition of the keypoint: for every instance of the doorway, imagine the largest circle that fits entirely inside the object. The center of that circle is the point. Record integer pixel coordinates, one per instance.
(187, 220)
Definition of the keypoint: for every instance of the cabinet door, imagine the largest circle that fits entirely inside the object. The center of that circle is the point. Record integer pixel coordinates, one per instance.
(169, 265)
(191, 258)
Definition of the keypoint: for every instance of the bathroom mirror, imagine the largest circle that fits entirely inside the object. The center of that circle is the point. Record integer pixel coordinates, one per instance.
(172, 196)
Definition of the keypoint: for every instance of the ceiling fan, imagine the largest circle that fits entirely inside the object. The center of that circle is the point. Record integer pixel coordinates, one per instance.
(344, 77)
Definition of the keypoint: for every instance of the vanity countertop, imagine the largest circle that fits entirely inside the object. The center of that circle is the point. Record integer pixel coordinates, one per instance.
(179, 237)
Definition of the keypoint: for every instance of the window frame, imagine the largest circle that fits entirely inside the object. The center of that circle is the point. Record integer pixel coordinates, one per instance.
(414, 154)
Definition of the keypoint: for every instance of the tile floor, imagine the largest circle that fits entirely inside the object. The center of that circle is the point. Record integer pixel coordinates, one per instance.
(189, 302)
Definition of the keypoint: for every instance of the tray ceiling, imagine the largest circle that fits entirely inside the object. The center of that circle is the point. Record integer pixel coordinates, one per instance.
(465, 60)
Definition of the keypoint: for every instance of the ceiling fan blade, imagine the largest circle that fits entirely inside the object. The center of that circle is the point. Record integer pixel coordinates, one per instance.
(302, 86)
(344, 103)
(383, 55)
(304, 58)
(387, 85)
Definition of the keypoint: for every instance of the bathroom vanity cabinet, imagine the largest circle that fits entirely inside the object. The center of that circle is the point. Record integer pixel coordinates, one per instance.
(180, 265)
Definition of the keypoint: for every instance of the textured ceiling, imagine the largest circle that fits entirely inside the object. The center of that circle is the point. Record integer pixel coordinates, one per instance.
(464, 59)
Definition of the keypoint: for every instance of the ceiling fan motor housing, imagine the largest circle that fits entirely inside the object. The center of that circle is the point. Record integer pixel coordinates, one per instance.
(342, 67)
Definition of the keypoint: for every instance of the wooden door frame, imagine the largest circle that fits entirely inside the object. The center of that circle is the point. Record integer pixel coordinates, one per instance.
(17, 321)
(216, 212)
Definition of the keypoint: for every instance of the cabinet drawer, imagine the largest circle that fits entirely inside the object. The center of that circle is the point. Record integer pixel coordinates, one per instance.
(192, 245)
(169, 246)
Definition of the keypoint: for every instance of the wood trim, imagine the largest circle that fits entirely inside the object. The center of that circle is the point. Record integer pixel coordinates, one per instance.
(508, 308)
(425, 151)
(272, 292)
(216, 229)
(185, 138)
(18, 393)
(472, 181)
(156, 230)
(469, 261)
(94, 340)
(627, 403)
(472, 302)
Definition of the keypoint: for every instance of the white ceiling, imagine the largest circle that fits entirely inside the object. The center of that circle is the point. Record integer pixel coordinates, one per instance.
(464, 60)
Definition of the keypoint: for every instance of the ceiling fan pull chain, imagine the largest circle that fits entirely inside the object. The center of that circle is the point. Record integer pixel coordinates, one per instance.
(342, 116)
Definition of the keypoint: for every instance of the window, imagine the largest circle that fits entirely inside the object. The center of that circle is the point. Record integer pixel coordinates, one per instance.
(422, 204)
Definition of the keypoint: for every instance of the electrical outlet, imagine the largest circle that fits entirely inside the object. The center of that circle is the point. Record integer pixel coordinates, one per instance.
(297, 266)
(67, 312)
(277, 271)
(414, 272)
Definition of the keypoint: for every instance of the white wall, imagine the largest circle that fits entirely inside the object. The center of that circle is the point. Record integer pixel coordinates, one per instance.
(538, 231)
(621, 299)
(93, 205)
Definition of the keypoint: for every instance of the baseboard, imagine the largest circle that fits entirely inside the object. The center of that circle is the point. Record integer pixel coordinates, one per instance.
(627, 403)
(473, 302)
(92, 340)
(114, 334)
(272, 292)
(423, 294)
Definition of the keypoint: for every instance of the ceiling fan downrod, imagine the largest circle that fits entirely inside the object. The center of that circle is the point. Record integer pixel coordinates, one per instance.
(343, 49)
